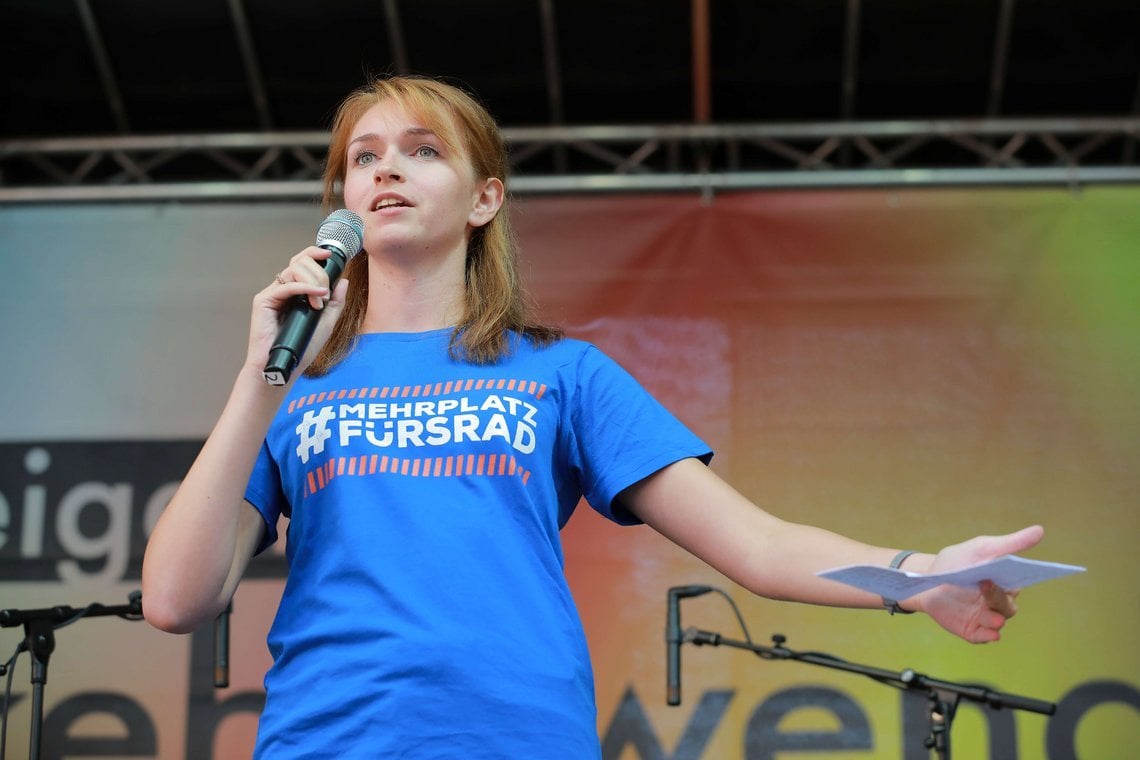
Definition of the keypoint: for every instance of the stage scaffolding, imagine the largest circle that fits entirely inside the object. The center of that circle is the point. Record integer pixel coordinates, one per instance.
(707, 158)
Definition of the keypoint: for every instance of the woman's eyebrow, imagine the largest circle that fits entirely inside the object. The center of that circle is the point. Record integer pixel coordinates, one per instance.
(412, 131)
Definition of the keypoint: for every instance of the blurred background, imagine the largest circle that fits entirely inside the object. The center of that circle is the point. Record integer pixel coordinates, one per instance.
(881, 255)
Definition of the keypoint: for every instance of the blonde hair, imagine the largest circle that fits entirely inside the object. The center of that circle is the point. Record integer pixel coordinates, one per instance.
(494, 299)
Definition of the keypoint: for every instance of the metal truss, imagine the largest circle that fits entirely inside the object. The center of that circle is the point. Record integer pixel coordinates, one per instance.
(1065, 152)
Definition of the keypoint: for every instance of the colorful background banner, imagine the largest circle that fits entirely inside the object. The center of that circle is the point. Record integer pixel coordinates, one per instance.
(907, 367)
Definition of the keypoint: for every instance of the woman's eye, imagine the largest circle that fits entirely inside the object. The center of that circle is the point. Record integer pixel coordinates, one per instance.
(365, 158)
(426, 151)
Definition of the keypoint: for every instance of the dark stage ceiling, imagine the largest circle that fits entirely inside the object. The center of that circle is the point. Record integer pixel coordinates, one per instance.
(1048, 70)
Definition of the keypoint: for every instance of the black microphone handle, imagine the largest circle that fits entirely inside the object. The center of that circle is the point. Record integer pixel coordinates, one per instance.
(298, 326)
(673, 650)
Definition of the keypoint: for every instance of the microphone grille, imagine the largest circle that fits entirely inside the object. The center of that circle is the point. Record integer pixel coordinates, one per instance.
(343, 228)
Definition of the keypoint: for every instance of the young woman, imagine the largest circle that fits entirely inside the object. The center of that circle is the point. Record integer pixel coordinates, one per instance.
(436, 444)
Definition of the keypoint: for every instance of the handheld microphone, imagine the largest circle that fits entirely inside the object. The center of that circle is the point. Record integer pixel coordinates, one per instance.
(342, 233)
(673, 639)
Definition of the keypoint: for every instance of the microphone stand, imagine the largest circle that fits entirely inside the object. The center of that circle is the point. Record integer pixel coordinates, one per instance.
(943, 696)
(39, 641)
(222, 647)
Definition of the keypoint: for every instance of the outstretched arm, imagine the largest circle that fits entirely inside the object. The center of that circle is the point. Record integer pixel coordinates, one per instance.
(693, 507)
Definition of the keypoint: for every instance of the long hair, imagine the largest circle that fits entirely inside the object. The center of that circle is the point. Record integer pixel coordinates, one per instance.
(494, 299)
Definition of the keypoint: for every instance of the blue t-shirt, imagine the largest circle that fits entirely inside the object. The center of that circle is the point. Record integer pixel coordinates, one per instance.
(426, 614)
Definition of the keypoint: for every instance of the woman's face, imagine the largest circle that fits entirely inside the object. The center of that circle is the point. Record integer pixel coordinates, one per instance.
(414, 193)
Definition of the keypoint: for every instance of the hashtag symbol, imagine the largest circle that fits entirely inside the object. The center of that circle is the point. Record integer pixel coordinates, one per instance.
(313, 432)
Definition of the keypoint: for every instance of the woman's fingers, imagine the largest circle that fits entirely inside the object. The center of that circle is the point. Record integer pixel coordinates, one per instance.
(998, 599)
(306, 276)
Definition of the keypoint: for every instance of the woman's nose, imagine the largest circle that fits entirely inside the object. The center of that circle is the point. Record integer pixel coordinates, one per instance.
(386, 169)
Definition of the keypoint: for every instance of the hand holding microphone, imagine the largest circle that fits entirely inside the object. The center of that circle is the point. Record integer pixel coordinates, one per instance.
(342, 235)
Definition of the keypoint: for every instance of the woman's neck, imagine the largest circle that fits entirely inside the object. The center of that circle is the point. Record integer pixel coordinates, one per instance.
(414, 297)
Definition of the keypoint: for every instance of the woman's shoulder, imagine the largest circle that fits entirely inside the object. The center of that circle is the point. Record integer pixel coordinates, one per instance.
(561, 350)
(574, 360)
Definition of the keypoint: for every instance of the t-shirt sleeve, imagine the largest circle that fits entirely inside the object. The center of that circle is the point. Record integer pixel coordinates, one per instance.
(264, 493)
(621, 434)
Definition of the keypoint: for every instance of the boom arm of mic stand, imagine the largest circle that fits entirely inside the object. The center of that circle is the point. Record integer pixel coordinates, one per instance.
(63, 614)
(943, 694)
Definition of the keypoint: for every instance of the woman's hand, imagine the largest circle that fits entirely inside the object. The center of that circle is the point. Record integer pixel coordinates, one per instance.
(976, 615)
(305, 276)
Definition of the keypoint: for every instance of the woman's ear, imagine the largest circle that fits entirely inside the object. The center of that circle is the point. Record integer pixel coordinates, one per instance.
(488, 200)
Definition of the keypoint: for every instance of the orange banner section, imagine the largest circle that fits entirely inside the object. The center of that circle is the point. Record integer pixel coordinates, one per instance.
(907, 368)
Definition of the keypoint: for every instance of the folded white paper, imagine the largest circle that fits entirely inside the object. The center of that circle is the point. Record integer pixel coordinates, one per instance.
(1009, 572)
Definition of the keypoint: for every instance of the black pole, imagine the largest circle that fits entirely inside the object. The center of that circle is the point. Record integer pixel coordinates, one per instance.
(39, 639)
